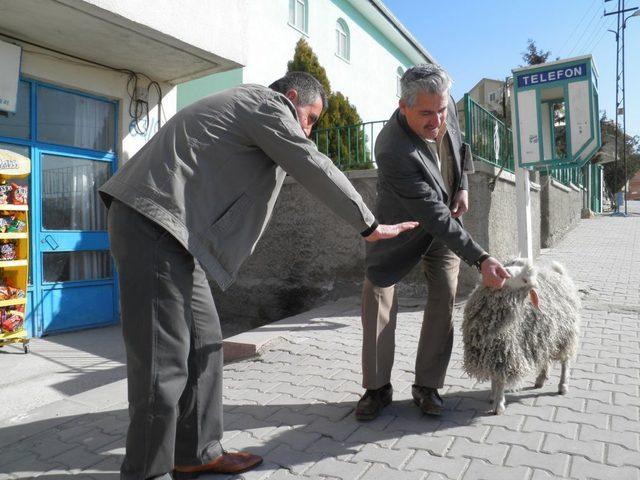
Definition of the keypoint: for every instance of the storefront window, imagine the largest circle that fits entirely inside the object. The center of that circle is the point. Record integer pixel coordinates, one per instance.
(75, 120)
(76, 266)
(16, 125)
(70, 199)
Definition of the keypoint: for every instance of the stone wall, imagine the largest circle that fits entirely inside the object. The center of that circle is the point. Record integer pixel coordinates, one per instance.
(560, 209)
(309, 256)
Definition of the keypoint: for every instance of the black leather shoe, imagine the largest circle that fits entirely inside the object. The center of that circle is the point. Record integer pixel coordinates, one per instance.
(428, 399)
(373, 401)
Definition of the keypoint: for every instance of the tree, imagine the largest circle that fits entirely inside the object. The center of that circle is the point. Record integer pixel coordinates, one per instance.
(615, 176)
(533, 56)
(334, 133)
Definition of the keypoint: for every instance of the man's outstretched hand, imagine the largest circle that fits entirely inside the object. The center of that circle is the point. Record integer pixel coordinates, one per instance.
(384, 232)
(493, 273)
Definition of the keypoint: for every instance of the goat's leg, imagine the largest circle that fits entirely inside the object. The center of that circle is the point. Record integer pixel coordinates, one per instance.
(497, 387)
(543, 376)
(563, 386)
(492, 397)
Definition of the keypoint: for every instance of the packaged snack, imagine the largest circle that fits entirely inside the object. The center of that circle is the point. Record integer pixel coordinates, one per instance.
(5, 191)
(16, 225)
(18, 194)
(4, 224)
(11, 320)
(8, 251)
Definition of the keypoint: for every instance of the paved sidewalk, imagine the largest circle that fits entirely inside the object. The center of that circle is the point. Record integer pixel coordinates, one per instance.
(294, 404)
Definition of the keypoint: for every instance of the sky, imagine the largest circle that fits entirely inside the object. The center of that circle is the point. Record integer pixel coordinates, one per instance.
(474, 39)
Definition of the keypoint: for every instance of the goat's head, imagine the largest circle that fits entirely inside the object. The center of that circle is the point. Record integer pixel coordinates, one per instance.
(524, 276)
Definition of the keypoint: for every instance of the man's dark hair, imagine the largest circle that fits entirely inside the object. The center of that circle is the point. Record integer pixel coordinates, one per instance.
(308, 88)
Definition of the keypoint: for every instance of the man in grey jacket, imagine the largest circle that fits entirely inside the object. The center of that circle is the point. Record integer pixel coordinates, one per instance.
(422, 166)
(193, 203)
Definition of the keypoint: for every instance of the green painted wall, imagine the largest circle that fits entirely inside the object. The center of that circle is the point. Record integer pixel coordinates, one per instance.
(194, 90)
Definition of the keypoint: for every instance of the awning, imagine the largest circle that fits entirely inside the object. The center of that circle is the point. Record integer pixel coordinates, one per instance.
(152, 43)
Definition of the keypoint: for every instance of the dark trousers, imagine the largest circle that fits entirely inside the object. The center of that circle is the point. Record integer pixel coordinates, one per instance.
(379, 313)
(173, 344)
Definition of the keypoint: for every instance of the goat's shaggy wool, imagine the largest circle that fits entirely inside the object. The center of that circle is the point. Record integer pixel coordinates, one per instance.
(506, 337)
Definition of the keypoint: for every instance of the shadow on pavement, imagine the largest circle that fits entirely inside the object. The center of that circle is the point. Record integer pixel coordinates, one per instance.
(93, 444)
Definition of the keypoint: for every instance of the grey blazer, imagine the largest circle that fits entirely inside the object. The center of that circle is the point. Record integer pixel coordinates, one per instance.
(410, 187)
(212, 174)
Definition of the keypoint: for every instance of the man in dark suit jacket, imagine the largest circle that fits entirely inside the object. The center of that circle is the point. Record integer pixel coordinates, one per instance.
(422, 166)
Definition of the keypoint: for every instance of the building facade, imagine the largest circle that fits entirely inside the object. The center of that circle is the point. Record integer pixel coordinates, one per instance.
(363, 48)
(95, 80)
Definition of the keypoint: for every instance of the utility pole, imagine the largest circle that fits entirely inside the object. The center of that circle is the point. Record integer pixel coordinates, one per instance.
(620, 72)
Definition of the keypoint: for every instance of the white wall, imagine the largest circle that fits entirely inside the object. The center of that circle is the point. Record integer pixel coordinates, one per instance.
(368, 79)
(215, 26)
(43, 65)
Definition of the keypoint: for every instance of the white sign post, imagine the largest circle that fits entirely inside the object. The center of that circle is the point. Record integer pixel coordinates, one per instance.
(9, 75)
(523, 201)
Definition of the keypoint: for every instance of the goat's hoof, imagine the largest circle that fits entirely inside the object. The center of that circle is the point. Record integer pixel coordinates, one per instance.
(499, 410)
(538, 384)
(563, 389)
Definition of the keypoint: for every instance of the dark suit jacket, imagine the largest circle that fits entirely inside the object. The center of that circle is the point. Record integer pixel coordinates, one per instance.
(410, 187)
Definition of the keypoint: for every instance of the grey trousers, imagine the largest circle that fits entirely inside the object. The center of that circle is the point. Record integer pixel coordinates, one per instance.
(173, 346)
(379, 313)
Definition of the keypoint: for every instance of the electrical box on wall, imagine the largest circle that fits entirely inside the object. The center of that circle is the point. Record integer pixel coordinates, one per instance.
(10, 56)
(556, 118)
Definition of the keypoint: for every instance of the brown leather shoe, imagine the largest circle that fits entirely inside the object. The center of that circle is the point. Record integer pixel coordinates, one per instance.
(373, 401)
(428, 399)
(228, 462)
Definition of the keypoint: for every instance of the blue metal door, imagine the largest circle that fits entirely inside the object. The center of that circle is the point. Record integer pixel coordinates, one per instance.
(76, 281)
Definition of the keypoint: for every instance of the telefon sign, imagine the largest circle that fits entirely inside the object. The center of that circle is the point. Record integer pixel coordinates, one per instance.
(554, 75)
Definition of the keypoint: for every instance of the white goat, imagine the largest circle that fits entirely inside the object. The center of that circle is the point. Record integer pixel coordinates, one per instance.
(519, 329)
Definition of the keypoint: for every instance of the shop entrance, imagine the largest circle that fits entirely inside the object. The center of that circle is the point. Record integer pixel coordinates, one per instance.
(70, 138)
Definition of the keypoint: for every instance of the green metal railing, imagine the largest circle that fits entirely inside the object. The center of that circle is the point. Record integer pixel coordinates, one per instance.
(484, 132)
(568, 176)
(351, 147)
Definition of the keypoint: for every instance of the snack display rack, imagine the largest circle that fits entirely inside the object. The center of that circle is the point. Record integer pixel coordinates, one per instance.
(14, 248)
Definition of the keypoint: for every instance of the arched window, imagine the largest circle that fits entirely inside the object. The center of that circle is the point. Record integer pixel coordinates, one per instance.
(342, 40)
(298, 13)
(399, 73)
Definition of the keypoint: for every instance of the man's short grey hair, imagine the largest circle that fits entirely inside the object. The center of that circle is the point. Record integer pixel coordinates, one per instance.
(308, 88)
(427, 78)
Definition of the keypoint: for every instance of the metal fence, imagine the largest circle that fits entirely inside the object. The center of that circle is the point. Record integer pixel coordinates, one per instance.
(490, 139)
(492, 142)
(568, 176)
(351, 147)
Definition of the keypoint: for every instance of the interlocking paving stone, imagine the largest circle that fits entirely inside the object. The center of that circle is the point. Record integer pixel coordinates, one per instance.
(533, 424)
(479, 470)
(529, 440)
(556, 463)
(624, 439)
(339, 469)
(382, 472)
(451, 467)
(592, 450)
(434, 445)
(393, 458)
(584, 469)
(494, 454)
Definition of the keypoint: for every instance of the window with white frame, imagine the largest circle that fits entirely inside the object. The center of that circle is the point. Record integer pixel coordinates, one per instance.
(342, 39)
(298, 14)
(399, 73)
